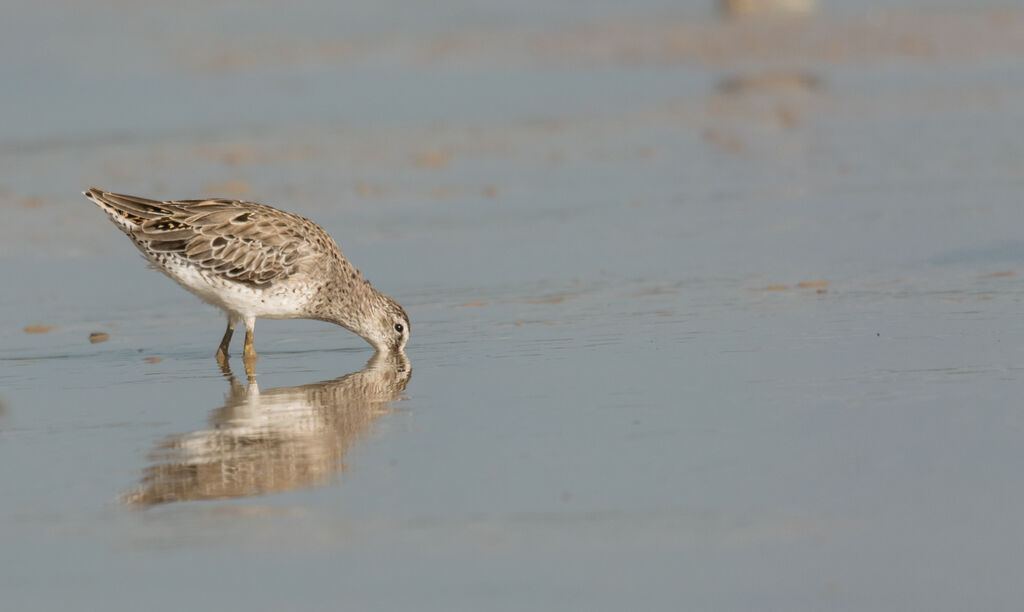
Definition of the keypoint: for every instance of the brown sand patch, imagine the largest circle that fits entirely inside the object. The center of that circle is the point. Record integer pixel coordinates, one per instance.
(787, 117)
(738, 9)
(773, 81)
(723, 140)
(39, 329)
(431, 159)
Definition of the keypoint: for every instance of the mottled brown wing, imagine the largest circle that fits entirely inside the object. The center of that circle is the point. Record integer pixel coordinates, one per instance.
(244, 242)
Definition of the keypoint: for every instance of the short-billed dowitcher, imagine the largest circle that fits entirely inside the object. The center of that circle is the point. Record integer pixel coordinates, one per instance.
(252, 260)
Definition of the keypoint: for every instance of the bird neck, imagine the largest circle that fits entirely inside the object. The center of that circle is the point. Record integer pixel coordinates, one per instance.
(353, 306)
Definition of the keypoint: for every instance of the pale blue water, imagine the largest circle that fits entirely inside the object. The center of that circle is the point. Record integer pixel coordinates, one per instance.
(607, 409)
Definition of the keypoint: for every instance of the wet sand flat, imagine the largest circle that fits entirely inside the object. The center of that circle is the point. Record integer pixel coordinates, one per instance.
(706, 313)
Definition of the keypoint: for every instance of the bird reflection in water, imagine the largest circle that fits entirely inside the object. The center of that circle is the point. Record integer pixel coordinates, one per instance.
(281, 439)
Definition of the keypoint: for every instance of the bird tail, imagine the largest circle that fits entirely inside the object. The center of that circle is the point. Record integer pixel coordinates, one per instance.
(128, 212)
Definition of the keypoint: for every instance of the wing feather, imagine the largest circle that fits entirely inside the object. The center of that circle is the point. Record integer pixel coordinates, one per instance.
(241, 241)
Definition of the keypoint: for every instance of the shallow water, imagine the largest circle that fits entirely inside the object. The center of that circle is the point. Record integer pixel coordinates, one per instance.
(693, 326)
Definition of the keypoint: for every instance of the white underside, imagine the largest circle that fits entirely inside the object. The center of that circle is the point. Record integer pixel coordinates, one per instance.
(238, 300)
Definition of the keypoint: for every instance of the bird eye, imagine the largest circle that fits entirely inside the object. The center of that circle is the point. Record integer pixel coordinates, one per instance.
(399, 327)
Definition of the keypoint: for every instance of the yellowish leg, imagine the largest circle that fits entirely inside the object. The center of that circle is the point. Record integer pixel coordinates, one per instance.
(225, 342)
(249, 356)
